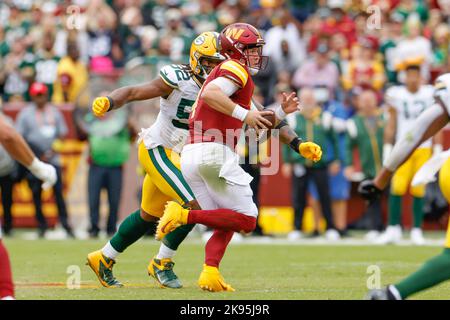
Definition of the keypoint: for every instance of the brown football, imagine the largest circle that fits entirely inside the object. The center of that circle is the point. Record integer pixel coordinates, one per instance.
(271, 118)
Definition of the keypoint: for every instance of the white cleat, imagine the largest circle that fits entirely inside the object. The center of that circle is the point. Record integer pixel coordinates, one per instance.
(417, 237)
(294, 235)
(332, 235)
(392, 234)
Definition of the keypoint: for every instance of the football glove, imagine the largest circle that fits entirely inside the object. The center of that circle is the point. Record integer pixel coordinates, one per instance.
(310, 151)
(368, 190)
(101, 105)
(45, 172)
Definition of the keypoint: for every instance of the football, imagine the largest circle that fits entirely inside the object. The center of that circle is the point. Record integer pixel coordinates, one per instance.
(271, 118)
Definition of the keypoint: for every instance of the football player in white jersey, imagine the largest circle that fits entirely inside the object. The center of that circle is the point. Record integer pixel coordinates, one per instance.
(405, 103)
(159, 148)
(430, 122)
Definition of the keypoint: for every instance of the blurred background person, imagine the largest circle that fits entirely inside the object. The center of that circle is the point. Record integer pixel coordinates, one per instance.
(72, 76)
(319, 71)
(404, 104)
(42, 126)
(311, 124)
(110, 139)
(365, 133)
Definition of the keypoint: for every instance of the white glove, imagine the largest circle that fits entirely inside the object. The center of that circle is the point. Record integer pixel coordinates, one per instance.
(43, 171)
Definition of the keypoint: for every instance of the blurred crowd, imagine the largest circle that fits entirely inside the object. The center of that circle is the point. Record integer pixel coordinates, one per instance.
(339, 55)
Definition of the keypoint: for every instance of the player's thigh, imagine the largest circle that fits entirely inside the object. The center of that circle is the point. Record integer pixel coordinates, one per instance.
(190, 171)
(153, 200)
(421, 156)
(165, 174)
(402, 178)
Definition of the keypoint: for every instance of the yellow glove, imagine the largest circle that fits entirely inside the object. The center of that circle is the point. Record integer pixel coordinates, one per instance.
(310, 151)
(100, 106)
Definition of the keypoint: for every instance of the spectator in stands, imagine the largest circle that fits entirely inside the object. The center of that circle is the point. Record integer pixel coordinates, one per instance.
(409, 8)
(339, 21)
(109, 148)
(363, 69)
(18, 71)
(311, 124)
(204, 18)
(365, 132)
(414, 47)
(72, 76)
(283, 43)
(42, 126)
(175, 39)
(441, 42)
(390, 37)
(318, 72)
(46, 63)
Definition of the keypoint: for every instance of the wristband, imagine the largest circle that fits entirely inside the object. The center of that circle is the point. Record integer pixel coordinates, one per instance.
(279, 113)
(239, 113)
(295, 144)
(111, 103)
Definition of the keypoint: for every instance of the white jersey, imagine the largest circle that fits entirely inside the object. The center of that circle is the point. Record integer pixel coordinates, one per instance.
(409, 106)
(442, 90)
(170, 129)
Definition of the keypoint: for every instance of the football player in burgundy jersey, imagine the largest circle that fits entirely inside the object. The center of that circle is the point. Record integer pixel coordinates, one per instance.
(209, 162)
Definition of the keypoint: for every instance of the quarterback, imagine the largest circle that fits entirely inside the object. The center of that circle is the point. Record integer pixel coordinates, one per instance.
(430, 122)
(19, 150)
(209, 162)
(159, 146)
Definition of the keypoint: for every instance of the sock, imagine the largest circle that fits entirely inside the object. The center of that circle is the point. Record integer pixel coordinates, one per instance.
(418, 211)
(165, 252)
(130, 230)
(173, 239)
(434, 271)
(395, 210)
(109, 251)
(216, 246)
(223, 219)
(6, 283)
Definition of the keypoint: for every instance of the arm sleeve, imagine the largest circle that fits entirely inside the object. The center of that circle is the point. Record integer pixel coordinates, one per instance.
(228, 86)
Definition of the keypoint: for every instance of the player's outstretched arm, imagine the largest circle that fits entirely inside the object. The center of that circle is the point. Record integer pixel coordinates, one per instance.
(119, 97)
(426, 125)
(16, 146)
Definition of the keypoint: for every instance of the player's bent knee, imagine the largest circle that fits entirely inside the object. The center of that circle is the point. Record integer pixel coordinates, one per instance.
(249, 224)
(147, 216)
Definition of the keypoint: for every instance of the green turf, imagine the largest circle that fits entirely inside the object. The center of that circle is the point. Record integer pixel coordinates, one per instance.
(256, 271)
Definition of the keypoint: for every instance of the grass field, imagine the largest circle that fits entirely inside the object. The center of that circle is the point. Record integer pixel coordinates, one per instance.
(257, 271)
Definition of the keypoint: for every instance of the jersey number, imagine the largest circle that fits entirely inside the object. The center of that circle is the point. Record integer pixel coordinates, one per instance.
(407, 112)
(183, 111)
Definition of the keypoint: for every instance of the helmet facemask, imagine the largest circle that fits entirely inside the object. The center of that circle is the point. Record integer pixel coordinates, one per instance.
(256, 54)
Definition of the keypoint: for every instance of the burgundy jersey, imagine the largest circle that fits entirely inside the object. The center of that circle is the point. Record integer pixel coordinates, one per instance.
(209, 125)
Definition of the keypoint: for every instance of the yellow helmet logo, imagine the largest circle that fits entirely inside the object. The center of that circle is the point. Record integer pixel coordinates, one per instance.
(205, 46)
(234, 33)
